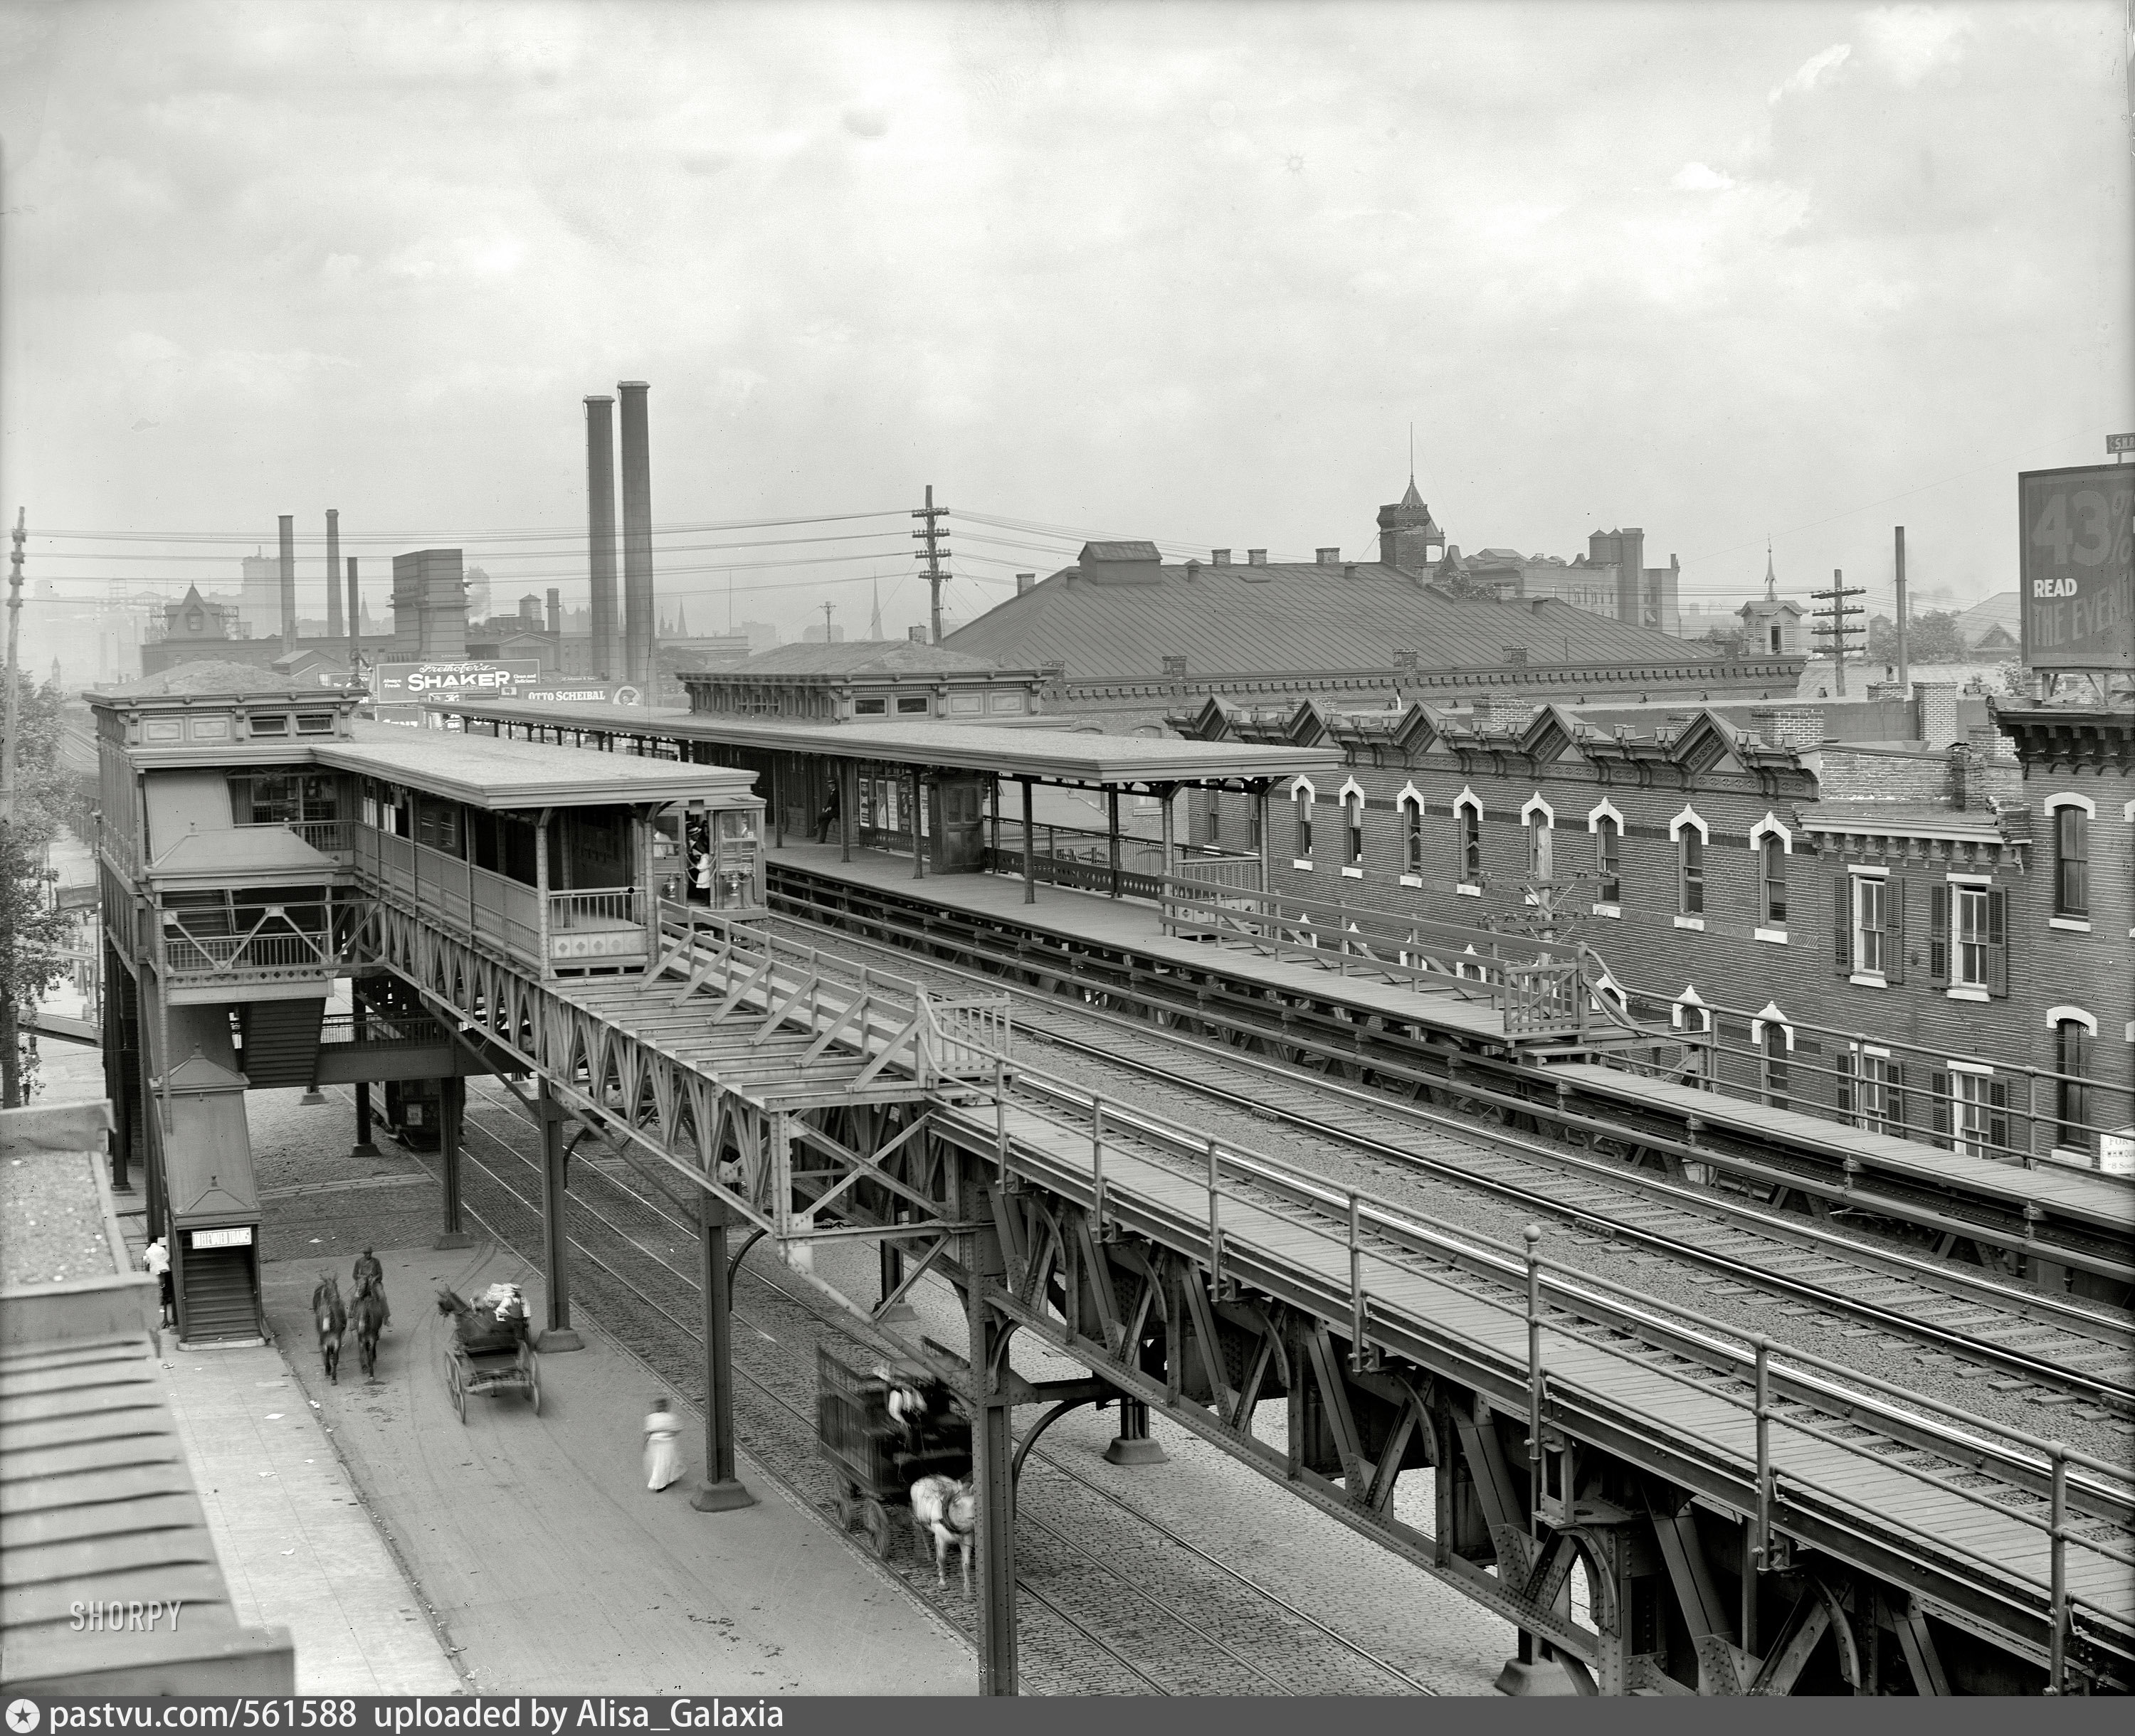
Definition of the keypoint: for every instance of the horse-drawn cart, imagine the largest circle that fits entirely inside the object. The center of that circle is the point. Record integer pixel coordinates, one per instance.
(489, 1351)
(882, 1431)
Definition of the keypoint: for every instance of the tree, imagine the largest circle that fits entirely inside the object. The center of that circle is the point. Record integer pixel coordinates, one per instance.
(1932, 638)
(32, 933)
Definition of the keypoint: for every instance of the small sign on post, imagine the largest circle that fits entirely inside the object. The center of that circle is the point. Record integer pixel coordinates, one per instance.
(2117, 444)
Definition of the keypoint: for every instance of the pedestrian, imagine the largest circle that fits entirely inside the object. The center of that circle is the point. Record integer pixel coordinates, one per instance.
(663, 1459)
(158, 1261)
(828, 817)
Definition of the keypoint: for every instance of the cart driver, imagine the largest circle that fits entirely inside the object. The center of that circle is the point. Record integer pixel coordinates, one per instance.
(367, 1266)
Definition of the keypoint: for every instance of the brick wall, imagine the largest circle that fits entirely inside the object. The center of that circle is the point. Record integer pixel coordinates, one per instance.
(1883, 774)
(1790, 726)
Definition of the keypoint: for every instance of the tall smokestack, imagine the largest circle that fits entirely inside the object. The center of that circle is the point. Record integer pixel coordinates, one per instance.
(333, 574)
(288, 581)
(556, 609)
(600, 532)
(355, 625)
(637, 623)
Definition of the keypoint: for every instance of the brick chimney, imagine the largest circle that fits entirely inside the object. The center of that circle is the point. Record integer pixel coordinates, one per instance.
(1328, 557)
(1174, 668)
(556, 609)
(1024, 582)
(1405, 662)
(1934, 712)
(1515, 654)
(1219, 557)
(1797, 727)
(1502, 711)
(917, 635)
(1255, 557)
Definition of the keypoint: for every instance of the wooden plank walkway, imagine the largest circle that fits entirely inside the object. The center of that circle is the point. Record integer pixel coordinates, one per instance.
(1412, 1306)
(1070, 914)
(2084, 1196)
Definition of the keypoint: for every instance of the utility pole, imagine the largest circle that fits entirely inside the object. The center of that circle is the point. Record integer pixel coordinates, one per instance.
(1836, 615)
(1904, 665)
(355, 627)
(14, 687)
(826, 608)
(933, 555)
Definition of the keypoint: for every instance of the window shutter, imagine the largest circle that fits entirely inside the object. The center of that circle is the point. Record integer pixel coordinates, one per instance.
(1938, 1106)
(1894, 930)
(1939, 935)
(1997, 1118)
(1998, 948)
(1842, 924)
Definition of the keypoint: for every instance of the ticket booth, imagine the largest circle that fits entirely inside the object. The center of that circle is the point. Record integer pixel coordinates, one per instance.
(957, 807)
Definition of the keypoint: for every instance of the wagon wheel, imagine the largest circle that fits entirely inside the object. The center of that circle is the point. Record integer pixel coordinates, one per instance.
(457, 1384)
(875, 1524)
(843, 1505)
(534, 1379)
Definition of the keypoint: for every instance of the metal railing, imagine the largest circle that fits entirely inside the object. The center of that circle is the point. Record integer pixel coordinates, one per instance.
(1543, 987)
(612, 906)
(274, 947)
(331, 837)
(2064, 1495)
(2013, 1114)
(1081, 858)
(375, 1027)
(891, 1021)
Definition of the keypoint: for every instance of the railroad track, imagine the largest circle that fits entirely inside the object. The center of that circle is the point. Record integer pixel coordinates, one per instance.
(1497, 1087)
(1153, 1645)
(2067, 1351)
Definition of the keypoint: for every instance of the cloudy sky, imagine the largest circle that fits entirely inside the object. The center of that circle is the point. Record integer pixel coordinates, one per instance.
(1188, 272)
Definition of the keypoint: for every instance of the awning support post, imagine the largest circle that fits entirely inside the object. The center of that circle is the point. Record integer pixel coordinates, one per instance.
(1029, 846)
(452, 1100)
(721, 1491)
(1112, 833)
(555, 1234)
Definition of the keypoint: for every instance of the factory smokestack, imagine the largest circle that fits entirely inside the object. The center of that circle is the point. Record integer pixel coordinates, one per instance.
(556, 609)
(600, 531)
(333, 574)
(288, 575)
(354, 625)
(638, 629)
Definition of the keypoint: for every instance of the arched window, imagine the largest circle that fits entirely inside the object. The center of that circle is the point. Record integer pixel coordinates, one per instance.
(1609, 859)
(1773, 876)
(1775, 1064)
(2071, 862)
(1412, 834)
(1690, 858)
(1471, 845)
(1353, 820)
(2073, 1037)
(1303, 801)
(1538, 822)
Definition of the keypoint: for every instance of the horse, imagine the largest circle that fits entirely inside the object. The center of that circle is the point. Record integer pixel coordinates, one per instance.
(947, 1511)
(369, 1317)
(333, 1321)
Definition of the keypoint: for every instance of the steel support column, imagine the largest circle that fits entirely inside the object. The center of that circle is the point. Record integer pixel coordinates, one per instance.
(1029, 846)
(848, 792)
(451, 1099)
(993, 1457)
(364, 1145)
(1112, 835)
(918, 826)
(721, 1491)
(1133, 1445)
(555, 1238)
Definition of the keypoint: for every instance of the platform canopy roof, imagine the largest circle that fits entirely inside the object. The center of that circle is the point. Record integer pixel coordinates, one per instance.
(265, 851)
(1063, 755)
(485, 772)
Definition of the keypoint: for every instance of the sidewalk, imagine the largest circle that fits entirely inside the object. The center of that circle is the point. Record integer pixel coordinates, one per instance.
(550, 1564)
(296, 1544)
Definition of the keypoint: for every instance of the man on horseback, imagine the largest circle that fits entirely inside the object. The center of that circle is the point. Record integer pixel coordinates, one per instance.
(368, 1271)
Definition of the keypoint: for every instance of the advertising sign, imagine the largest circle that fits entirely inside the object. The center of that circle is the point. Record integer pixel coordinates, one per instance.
(580, 690)
(2076, 556)
(410, 684)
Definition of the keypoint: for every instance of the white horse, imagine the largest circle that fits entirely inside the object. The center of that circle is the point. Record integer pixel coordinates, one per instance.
(947, 1511)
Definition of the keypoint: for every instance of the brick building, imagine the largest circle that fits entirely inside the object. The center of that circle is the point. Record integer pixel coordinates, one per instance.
(1855, 922)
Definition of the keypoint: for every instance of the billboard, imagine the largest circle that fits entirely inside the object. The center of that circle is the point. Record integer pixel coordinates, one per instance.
(2076, 557)
(410, 684)
(580, 690)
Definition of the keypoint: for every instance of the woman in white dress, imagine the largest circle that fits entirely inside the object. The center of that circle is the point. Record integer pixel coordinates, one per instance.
(663, 1458)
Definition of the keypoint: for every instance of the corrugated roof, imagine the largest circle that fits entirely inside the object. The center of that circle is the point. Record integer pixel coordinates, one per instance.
(855, 657)
(1292, 617)
(488, 772)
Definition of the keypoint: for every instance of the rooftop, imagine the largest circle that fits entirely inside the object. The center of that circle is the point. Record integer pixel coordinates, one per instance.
(223, 680)
(485, 772)
(853, 657)
(1293, 616)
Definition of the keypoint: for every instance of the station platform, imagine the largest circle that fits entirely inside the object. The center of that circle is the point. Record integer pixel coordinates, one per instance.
(2085, 1196)
(1131, 925)
(550, 1567)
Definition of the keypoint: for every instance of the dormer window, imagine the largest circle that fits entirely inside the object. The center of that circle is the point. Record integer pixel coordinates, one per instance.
(315, 723)
(870, 708)
(909, 704)
(278, 725)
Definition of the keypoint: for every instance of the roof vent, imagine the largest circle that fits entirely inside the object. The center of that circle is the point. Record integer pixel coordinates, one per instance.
(916, 635)
(1024, 582)
(1328, 557)
(1219, 557)
(1515, 654)
(1174, 667)
(1349, 569)
(1255, 557)
(1405, 662)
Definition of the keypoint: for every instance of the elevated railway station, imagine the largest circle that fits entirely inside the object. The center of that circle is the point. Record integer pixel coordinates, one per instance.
(1745, 1516)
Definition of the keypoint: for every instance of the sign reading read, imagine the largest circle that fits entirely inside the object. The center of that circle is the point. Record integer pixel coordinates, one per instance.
(412, 682)
(2076, 549)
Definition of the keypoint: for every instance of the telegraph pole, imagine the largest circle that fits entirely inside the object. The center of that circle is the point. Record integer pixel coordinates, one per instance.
(933, 555)
(14, 681)
(1904, 666)
(1836, 614)
(826, 608)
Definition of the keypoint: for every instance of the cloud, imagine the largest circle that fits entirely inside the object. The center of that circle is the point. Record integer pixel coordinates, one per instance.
(1805, 76)
(1914, 41)
(864, 121)
(1695, 177)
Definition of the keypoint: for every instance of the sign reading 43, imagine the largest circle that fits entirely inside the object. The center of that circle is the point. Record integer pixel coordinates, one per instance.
(2078, 564)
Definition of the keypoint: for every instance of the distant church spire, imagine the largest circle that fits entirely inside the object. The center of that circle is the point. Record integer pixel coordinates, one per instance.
(1771, 578)
(681, 624)
(874, 620)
